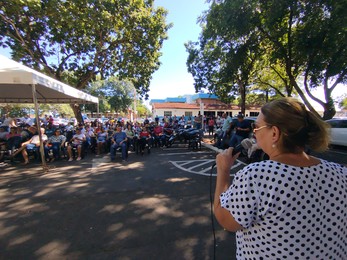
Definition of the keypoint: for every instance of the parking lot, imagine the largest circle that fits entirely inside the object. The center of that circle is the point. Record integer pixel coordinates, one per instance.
(155, 206)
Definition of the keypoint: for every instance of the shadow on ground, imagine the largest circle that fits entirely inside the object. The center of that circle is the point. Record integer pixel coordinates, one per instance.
(93, 209)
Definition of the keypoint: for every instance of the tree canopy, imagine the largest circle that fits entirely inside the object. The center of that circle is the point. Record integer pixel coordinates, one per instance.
(115, 95)
(74, 41)
(291, 45)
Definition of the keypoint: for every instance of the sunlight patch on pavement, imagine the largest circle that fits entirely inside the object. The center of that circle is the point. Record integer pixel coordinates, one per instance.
(101, 164)
(19, 240)
(112, 208)
(52, 249)
(177, 179)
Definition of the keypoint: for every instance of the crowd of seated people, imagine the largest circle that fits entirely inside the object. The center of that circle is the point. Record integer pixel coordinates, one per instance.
(72, 142)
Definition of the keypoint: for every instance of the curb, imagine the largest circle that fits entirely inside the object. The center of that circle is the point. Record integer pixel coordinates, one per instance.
(211, 147)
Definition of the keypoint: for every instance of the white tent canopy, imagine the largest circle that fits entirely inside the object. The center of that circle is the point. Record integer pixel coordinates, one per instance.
(16, 81)
(20, 84)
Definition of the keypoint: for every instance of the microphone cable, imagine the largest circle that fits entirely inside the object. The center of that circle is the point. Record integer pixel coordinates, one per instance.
(236, 150)
(211, 211)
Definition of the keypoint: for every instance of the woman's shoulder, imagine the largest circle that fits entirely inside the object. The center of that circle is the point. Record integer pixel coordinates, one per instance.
(327, 166)
(273, 167)
(259, 169)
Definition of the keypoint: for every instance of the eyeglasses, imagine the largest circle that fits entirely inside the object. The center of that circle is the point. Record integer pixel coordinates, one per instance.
(255, 129)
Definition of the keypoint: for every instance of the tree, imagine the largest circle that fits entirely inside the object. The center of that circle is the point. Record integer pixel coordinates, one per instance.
(343, 103)
(115, 95)
(74, 41)
(308, 39)
(224, 63)
(142, 110)
(16, 110)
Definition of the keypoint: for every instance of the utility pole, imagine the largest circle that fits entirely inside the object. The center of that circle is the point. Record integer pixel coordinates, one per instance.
(135, 101)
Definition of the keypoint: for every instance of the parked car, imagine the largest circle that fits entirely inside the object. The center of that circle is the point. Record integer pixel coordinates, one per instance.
(60, 121)
(338, 131)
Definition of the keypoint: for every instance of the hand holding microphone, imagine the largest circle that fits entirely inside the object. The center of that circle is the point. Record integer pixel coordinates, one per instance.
(226, 159)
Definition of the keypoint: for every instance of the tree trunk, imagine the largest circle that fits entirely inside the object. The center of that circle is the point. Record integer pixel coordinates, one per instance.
(77, 111)
(301, 94)
(243, 97)
(329, 109)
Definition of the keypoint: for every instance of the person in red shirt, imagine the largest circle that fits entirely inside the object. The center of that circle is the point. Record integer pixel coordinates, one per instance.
(211, 124)
(51, 120)
(144, 140)
(157, 135)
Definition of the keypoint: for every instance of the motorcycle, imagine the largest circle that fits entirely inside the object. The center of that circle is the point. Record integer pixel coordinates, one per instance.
(168, 137)
(192, 136)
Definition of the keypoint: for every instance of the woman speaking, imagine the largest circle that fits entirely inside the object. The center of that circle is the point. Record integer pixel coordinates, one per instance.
(292, 206)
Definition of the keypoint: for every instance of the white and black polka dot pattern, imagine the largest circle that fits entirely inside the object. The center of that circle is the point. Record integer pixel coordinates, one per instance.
(289, 212)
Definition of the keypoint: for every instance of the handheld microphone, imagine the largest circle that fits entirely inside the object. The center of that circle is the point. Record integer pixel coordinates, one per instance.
(237, 149)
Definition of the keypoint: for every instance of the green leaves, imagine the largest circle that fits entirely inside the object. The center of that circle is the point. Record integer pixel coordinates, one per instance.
(115, 95)
(302, 46)
(75, 41)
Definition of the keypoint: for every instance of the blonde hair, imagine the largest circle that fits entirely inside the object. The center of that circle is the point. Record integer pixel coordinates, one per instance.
(299, 127)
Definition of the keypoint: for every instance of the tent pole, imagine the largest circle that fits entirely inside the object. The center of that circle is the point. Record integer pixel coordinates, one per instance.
(43, 159)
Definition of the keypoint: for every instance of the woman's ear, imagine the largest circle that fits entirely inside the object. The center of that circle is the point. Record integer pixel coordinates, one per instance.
(276, 132)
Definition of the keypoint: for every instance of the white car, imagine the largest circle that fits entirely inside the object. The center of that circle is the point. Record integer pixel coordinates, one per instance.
(338, 131)
(60, 121)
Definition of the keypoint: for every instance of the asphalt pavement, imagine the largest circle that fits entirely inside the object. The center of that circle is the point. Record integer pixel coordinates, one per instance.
(155, 206)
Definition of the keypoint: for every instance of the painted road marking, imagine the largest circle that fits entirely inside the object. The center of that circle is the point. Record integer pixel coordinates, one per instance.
(207, 163)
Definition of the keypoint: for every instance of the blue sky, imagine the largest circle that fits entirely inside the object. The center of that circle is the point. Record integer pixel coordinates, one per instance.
(172, 78)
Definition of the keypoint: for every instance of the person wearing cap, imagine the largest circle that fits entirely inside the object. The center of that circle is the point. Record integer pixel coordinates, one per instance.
(56, 143)
(50, 129)
(76, 142)
(242, 130)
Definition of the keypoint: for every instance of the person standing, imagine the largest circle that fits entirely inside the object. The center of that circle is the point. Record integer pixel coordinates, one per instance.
(227, 121)
(211, 124)
(292, 206)
(242, 131)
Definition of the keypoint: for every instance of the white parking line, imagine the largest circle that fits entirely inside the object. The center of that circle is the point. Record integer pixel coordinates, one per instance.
(187, 153)
(200, 164)
(205, 171)
(178, 165)
(188, 162)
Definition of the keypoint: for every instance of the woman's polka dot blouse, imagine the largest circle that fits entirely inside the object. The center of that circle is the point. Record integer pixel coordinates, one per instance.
(289, 212)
